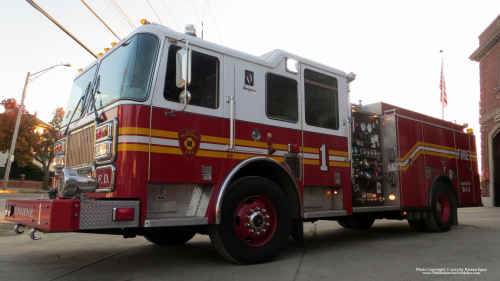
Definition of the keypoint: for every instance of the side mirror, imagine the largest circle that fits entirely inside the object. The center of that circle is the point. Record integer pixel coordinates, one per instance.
(183, 68)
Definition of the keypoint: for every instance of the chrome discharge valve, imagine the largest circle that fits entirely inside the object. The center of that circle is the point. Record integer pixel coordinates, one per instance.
(70, 182)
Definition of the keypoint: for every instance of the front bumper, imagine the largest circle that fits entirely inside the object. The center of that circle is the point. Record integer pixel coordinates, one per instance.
(61, 215)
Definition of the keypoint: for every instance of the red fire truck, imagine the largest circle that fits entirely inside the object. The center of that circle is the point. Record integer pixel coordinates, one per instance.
(167, 135)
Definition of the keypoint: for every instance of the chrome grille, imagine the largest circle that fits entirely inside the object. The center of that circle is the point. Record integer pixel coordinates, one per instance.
(81, 147)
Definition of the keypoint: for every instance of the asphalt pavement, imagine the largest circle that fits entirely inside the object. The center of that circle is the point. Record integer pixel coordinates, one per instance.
(389, 250)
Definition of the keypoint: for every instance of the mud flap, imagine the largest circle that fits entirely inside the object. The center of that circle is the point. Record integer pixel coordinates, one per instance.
(298, 231)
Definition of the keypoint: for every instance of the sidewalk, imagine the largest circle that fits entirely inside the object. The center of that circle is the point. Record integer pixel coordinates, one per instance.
(22, 190)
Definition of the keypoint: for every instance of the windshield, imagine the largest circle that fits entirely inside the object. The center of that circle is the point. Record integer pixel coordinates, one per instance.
(79, 87)
(126, 72)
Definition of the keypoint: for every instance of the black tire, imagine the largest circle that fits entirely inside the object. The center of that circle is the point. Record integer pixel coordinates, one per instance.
(437, 220)
(227, 237)
(344, 223)
(365, 221)
(417, 225)
(169, 236)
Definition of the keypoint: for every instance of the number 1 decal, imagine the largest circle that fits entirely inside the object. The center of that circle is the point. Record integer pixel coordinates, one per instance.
(324, 166)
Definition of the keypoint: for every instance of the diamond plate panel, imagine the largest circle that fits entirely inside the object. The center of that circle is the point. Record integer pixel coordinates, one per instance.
(170, 200)
(318, 199)
(294, 163)
(98, 214)
(389, 140)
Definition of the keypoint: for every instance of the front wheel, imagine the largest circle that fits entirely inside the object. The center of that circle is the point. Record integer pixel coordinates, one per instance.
(440, 217)
(255, 222)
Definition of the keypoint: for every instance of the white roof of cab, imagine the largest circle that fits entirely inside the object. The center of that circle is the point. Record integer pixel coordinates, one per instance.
(270, 59)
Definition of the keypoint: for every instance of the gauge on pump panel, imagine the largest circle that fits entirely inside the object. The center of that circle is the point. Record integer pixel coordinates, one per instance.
(363, 126)
(369, 127)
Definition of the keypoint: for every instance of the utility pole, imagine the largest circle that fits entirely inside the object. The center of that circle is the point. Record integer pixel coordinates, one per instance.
(14, 137)
(18, 121)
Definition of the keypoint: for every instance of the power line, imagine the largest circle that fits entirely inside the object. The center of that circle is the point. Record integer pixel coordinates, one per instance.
(90, 9)
(171, 15)
(155, 12)
(50, 92)
(123, 13)
(114, 12)
(216, 29)
(198, 17)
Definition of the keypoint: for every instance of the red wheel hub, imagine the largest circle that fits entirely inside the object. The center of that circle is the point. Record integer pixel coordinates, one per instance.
(443, 207)
(255, 221)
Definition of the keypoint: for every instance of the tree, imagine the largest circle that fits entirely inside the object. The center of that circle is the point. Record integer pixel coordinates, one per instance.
(43, 150)
(31, 144)
(26, 137)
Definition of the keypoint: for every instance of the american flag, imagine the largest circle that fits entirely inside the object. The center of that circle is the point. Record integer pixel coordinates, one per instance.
(442, 87)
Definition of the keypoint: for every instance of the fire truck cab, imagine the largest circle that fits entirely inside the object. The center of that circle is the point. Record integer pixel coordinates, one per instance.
(167, 135)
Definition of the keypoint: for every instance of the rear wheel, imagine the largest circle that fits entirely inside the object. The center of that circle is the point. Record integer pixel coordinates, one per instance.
(440, 217)
(417, 225)
(344, 223)
(365, 221)
(169, 236)
(255, 222)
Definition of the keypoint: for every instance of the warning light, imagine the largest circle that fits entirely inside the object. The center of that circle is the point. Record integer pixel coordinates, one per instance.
(106, 49)
(335, 192)
(392, 197)
(328, 192)
(357, 125)
(100, 54)
(144, 22)
(80, 70)
(404, 213)
(113, 43)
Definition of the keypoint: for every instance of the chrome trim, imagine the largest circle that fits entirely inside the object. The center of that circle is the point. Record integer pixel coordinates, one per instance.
(63, 141)
(109, 158)
(230, 100)
(325, 214)
(375, 209)
(230, 175)
(70, 182)
(113, 177)
(175, 222)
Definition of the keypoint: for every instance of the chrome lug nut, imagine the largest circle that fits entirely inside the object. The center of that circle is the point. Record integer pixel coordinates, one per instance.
(247, 217)
(257, 208)
(251, 231)
(258, 233)
(266, 217)
(267, 224)
(247, 224)
(250, 211)
(264, 210)
(263, 230)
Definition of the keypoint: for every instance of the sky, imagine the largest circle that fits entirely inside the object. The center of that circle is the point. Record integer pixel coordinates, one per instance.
(392, 46)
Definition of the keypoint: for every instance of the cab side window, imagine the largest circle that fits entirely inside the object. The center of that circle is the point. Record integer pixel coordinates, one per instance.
(204, 87)
(321, 100)
(282, 100)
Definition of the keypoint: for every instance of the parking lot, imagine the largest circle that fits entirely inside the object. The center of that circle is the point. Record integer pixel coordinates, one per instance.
(389, 250)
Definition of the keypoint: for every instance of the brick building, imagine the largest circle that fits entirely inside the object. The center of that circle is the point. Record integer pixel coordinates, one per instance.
(488, 56)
